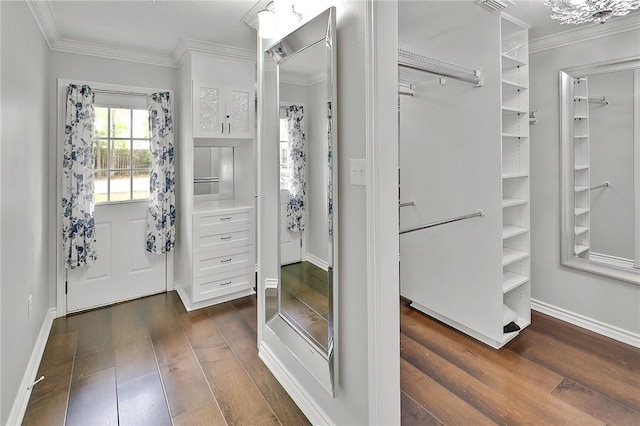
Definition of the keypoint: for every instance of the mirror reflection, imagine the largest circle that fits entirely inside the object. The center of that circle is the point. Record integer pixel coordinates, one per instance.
(303, 296)
(604, 142)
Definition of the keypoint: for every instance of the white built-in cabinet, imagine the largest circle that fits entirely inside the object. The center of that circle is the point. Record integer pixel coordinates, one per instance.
(581, 166)
(516, 239)
(215, 250)
(223, 110)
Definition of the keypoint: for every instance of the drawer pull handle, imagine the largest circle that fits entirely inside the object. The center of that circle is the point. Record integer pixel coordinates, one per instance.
(225, 260)
(226, 218)
(228, 237)
(227, 283)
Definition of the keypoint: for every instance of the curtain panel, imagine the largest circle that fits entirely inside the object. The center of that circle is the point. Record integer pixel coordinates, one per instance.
(298, 164)
(78, 223)
(161, 214)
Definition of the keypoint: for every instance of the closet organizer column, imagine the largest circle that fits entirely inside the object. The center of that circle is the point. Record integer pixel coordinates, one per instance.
(516, 264)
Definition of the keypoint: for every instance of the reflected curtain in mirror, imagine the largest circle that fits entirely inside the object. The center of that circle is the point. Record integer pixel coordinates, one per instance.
(297, 163)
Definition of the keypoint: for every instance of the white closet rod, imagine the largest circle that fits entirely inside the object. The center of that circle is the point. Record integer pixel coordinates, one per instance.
(598, 100)
(416, 62)
(477, 213)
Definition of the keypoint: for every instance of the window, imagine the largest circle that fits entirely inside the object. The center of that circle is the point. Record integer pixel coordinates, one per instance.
(121, 152)
(285, 170)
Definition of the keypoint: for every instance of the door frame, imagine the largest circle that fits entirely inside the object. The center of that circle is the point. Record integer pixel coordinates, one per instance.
(61, 272)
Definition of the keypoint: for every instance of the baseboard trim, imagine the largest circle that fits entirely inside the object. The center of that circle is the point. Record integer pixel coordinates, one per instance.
(22, 398)
(317, 262)
(298, 394)
(590, 324)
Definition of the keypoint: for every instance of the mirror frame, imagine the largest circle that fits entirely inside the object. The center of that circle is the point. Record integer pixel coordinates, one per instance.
(567, 177)
(320, 364)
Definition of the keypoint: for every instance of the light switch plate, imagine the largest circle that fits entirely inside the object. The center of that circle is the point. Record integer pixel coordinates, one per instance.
(357, 172)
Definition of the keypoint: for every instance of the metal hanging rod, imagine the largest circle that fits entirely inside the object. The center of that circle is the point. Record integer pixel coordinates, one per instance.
(412, 62)
(211, 179)
(478, 213)
(119, 92)
(598, 100)
(407, 203)
(604, 185)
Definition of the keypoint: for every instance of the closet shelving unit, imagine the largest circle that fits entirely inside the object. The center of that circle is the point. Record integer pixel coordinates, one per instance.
(582, 196)
(516, 263)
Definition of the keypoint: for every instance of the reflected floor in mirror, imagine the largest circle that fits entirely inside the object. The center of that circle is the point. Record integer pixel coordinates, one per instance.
(305, 300)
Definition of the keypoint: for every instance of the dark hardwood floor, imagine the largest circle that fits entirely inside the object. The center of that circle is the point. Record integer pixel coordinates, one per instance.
(552, 373)
(149, 362)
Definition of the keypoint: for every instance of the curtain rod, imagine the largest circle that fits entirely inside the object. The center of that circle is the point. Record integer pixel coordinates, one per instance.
(119, 92)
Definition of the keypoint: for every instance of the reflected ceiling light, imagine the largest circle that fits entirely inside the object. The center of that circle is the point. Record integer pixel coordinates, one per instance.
(581, 11)
(278, 15)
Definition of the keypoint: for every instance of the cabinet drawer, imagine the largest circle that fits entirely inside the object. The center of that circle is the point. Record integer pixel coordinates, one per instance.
(223, 260)
(219, 285)
(217, 219)
(223, 237)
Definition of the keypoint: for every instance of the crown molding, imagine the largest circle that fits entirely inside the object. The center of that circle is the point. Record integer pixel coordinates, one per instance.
(187, 45)
(45, 20)
(251, 17)
(584, 33)
(302, 80)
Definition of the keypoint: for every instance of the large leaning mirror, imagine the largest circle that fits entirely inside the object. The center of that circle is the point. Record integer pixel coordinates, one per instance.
(600, 130)
(304, 300)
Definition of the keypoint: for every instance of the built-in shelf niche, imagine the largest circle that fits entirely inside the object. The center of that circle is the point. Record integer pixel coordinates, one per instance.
(212, 173)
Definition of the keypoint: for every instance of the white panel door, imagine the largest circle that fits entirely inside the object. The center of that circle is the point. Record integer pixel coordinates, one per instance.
(290, 242)
(124, 269)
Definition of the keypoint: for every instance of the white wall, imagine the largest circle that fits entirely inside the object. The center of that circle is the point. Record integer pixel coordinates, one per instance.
(24, 200)
(611, 151)
(610, 301)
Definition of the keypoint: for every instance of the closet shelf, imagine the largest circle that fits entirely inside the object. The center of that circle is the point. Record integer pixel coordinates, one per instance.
(511, 281)
(580, 98)
(513, 136)
(583, 167)
(515, 175)
(510, 256)
(511, 202)
(509, 231)
(512, 85)
(579, 230)
(581, 136)
(580, 211)
(580, 249)
(581, 188)
(580, 117)
(511, 61)
(414, 66)
(509, 110)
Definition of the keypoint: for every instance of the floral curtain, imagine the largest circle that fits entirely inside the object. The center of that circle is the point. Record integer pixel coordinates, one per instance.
(161, 215)
(78, 223)
(330, 167)
(298, 165)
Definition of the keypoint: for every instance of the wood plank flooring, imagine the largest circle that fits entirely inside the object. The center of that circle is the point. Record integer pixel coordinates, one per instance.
(149, 362)
(553, 373)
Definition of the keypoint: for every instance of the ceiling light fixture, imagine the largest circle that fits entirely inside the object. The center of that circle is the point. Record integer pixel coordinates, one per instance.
(278, 15)
(582, 11)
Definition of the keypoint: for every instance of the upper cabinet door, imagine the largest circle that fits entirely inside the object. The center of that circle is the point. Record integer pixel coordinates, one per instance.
(223, 111)
(240, 111)
(209, 117)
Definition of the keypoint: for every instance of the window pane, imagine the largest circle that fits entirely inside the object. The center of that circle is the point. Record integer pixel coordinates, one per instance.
(121, 185)
(120, 123)
(102, 122)
(99, 154)
(100, 185)
(284, 130)
(141, 123)
(141, 155)
(140, 184)
(120, 155)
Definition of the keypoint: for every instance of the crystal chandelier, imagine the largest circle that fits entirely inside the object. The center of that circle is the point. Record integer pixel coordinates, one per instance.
(581, 11)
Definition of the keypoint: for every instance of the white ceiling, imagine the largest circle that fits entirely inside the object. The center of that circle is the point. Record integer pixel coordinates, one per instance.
(150, 31)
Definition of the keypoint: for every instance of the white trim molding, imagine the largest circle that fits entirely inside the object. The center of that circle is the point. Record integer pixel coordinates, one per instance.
(315, 260)
(584, 33)
(296, 391)
(590, 324)
(19, 407)
(45, 20)
(383, 287)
